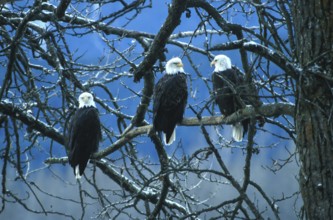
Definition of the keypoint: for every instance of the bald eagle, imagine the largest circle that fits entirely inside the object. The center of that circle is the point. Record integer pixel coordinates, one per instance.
(84, 134)
(170, 98)
(232, 93)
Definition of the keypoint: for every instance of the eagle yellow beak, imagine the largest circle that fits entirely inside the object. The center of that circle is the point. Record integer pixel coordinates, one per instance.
(212, 63)
(180, 64)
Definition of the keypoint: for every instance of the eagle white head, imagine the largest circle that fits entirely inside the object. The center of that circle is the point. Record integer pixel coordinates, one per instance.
(86, 100)
(174, 66)
(221, 62)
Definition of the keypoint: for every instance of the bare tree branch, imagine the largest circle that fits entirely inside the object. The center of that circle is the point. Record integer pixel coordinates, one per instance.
(156, 49)
(30, 121)
(128, 185)
(62, 8)
(14, 46)
(276, 57)
(268, 110)
(52, 51)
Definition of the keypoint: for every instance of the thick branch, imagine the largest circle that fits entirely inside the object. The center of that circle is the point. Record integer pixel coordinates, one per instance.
(109, 150)
(274, 56)
(62, 7)
(157, 47)
(31, 121)
(147, 92)
(268, 110)
(86, 22)
(164, 160)
(226, 26)
(123, 140)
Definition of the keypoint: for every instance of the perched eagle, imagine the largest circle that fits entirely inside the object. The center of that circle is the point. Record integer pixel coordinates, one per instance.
(232, 93)
(84, 134)
(170, 98)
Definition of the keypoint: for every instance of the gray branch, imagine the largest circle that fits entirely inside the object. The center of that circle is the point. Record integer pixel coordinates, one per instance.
(130, 186)
(274, 56)
(30, 121)
(267, 110)
(157, 47)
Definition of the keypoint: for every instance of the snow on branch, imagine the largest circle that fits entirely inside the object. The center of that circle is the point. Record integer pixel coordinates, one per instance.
(267, 110)
(62, 8)
(114, 147)
(29, 120)
(85, 22)
(226, 26)
(276, 57)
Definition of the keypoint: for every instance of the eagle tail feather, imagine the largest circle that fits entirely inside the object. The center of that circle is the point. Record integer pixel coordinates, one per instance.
(77, 172)
(169, 139)
(237, 132)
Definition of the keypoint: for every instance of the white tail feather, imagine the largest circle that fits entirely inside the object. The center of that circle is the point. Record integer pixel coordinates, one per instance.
(237, 132)
(172, 138)
(77, 172)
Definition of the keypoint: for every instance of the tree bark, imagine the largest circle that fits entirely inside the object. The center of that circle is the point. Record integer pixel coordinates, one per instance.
(313, 22)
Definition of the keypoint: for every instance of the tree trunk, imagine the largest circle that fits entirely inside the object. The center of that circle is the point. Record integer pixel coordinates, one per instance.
(313, 22)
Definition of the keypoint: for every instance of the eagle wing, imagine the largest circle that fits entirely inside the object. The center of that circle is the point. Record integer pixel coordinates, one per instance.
(247, 90)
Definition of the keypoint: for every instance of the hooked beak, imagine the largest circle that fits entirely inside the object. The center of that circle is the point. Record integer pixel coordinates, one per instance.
(180, 64)
(212, 63)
